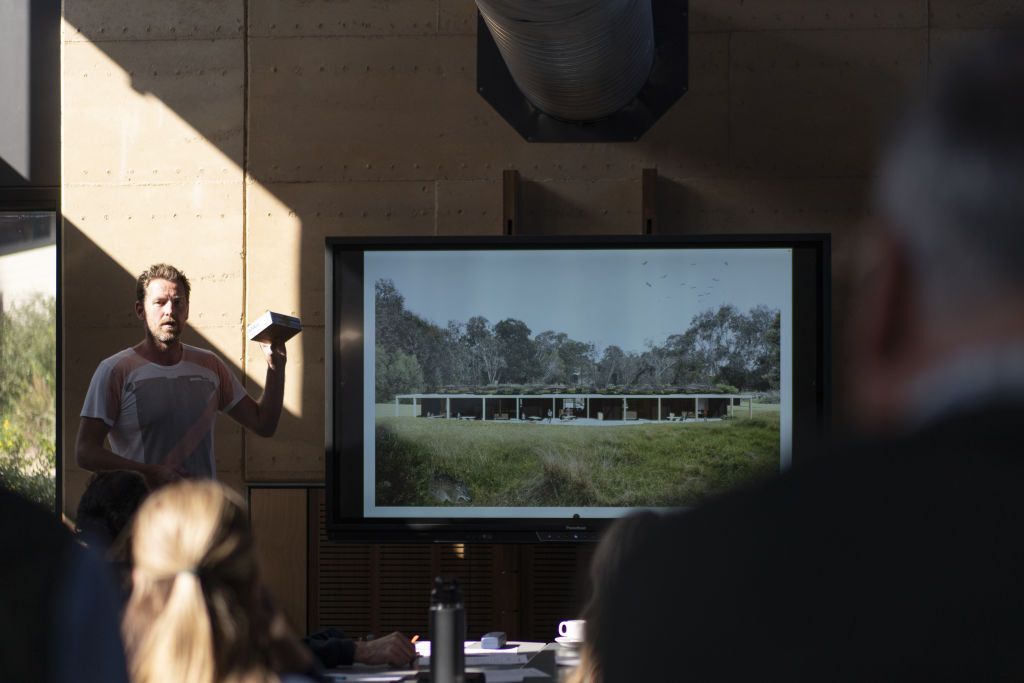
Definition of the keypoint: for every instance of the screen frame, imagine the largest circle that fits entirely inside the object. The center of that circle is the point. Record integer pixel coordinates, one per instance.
(343, 359)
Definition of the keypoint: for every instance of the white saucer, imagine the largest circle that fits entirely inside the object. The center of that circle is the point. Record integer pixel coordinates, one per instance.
(562, 640)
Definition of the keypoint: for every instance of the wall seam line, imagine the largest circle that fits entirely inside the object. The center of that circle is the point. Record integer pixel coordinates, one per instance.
(245, 208)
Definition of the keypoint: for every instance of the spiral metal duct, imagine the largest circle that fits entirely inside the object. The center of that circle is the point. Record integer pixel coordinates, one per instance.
(577, 60)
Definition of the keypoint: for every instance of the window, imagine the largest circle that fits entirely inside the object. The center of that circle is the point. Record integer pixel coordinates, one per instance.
(28, 353)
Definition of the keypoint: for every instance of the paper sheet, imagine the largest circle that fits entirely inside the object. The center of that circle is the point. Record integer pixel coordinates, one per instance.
(513, 653)
(512, 675)
(379, 676)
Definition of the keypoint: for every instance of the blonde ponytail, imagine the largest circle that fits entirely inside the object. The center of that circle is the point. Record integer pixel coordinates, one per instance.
(170, 639)
(190, 616)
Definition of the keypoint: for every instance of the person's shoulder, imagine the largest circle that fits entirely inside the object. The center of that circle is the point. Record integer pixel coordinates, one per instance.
(125, 359)
(200, 356)
(206, 359)
(119, 357)
(189, 350)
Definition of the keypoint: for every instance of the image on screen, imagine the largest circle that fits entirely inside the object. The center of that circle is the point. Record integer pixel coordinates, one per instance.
(571, 382)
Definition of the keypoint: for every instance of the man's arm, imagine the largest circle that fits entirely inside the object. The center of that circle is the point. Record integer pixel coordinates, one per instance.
(262, 417)
(90, 454)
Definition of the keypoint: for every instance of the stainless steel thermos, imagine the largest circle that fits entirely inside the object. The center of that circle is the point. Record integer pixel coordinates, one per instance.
(447, 632)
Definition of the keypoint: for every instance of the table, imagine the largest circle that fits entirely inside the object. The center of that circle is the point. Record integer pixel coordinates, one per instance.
(550, 659)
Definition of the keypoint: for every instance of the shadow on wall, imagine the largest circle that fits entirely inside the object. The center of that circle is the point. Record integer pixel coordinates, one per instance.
(770, 99)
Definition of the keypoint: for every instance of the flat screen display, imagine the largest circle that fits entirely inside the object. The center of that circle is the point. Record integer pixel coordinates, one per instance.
(526, 388)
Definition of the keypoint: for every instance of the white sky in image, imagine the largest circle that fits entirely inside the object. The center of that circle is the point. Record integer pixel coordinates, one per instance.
(621, 297)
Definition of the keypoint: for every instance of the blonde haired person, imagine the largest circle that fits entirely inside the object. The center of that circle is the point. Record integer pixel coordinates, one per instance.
(198, 612)
(614, 550)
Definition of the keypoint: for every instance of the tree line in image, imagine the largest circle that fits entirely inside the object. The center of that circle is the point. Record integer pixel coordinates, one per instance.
(722, 349)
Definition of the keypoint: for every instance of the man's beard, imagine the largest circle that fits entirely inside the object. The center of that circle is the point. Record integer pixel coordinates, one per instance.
(165, 335)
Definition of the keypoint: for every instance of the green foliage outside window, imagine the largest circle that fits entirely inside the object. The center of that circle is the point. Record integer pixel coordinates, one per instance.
(28, 383)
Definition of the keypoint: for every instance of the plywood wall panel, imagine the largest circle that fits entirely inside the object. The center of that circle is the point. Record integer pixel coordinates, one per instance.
(296, 452)
(109, 284)
(228, 449)
(352, 18)
(979, 14)
(945, 42)
(340, 98)
(287, 224)
(469, 207)
(115, 20)
(138, 226)
(578, 207)
(407, 108)
(812, 103)
(738, 15)
(143, 112)
(319, 209)
(698, 205)
(275, 515)
(367, 109)
(692, 137)
(457, 17)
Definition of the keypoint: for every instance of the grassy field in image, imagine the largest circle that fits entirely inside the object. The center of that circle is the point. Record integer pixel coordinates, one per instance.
(559, 465)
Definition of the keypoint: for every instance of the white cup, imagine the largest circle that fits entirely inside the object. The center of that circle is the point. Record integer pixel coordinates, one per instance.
(572, 629)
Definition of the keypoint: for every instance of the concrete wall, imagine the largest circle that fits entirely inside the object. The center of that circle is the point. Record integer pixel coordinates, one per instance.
(230, 136)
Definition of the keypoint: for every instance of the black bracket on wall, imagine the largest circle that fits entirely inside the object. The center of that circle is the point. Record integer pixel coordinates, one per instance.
(649, 200)
(510, 202)
(667, 82)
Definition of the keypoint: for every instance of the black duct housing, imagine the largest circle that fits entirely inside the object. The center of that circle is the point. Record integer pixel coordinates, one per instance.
(667, 82)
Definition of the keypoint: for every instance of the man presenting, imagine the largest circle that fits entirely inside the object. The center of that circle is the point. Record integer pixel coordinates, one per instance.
(158, 400)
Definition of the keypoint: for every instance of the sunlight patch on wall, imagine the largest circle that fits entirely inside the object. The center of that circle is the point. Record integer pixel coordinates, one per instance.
(153, 138)
(273, 277)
